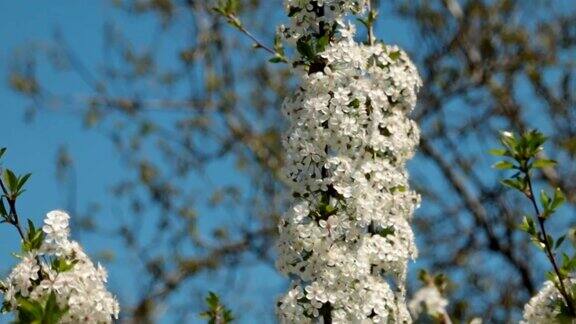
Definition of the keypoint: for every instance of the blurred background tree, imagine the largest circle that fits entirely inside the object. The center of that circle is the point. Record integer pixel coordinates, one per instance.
(194, 113)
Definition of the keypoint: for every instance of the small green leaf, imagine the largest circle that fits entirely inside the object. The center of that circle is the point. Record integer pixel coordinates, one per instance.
(216, 312)
(503, 165)
(558, 200)
(543, 163)
(212, 300)
(277, 59)
(322, 43)
(423, 276)
(29, 310)
(398, 189)
(544, 199)
(22, 181)
(2, 208)
(395, 55)
(528, 226)
(11, 180)
(305, 48)
(509, 140)
(440, 280)
(514, 183)
(52, 312)
(354, 103)
(31, 230)
(559, 241)
(386, 231)
(498, 152)
(2, 151)
(551, 276)
(63, 265)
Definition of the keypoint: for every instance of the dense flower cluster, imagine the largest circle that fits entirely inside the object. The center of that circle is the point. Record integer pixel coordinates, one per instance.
(60, 267)
(346, 240)
(309, 17)
(428, 300)
(544, 307)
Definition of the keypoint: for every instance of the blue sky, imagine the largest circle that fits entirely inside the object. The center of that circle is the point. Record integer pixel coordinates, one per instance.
(32, 147)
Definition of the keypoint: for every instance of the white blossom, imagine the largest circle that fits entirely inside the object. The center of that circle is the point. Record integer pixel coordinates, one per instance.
(346, 240)
(78, 286)
(428, 300)
(543, 307)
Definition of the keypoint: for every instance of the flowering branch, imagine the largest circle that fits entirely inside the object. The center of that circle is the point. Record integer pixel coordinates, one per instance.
(524, 152)
(11, 193)
(547, 242)
(55, 281)
(347, 146)
(428, 300)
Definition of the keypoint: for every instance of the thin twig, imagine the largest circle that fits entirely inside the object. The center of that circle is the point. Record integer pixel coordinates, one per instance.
(371, 37)
(547, 246)
(236, 23)
(13, 215)
(13, 219)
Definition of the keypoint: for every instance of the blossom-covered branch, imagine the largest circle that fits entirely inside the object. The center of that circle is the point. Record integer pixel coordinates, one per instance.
(555, 302)
(346, 240)
(55, 281)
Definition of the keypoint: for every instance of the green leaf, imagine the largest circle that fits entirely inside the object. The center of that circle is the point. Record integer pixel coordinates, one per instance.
(216, 312)
(498, 152)
(423, 276)
(503, 165)
(544, 200)
(62, 265)
(29, 310)
(440, 280)
(2, 208)
(354, 103)
(509, 140)
(528, 226)
(277, 59)
(11, 180)
(322, 43)
(543, 163)
(558, 200)
(559, 241)
(34, 239)
(278, 45)
(398, 189)
(395, 55)
(305, 48)
(22, 181)
(534, 140)
(212, 300)
(2, 151)
(514, 183)
(31, 228)
(386, 231)
(551, 276)
(52, 312)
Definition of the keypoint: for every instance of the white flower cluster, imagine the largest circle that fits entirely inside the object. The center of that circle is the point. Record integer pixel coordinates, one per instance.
(310, 16)
(428, 300)
(346, 240)
(60, 266)
(543, 308)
